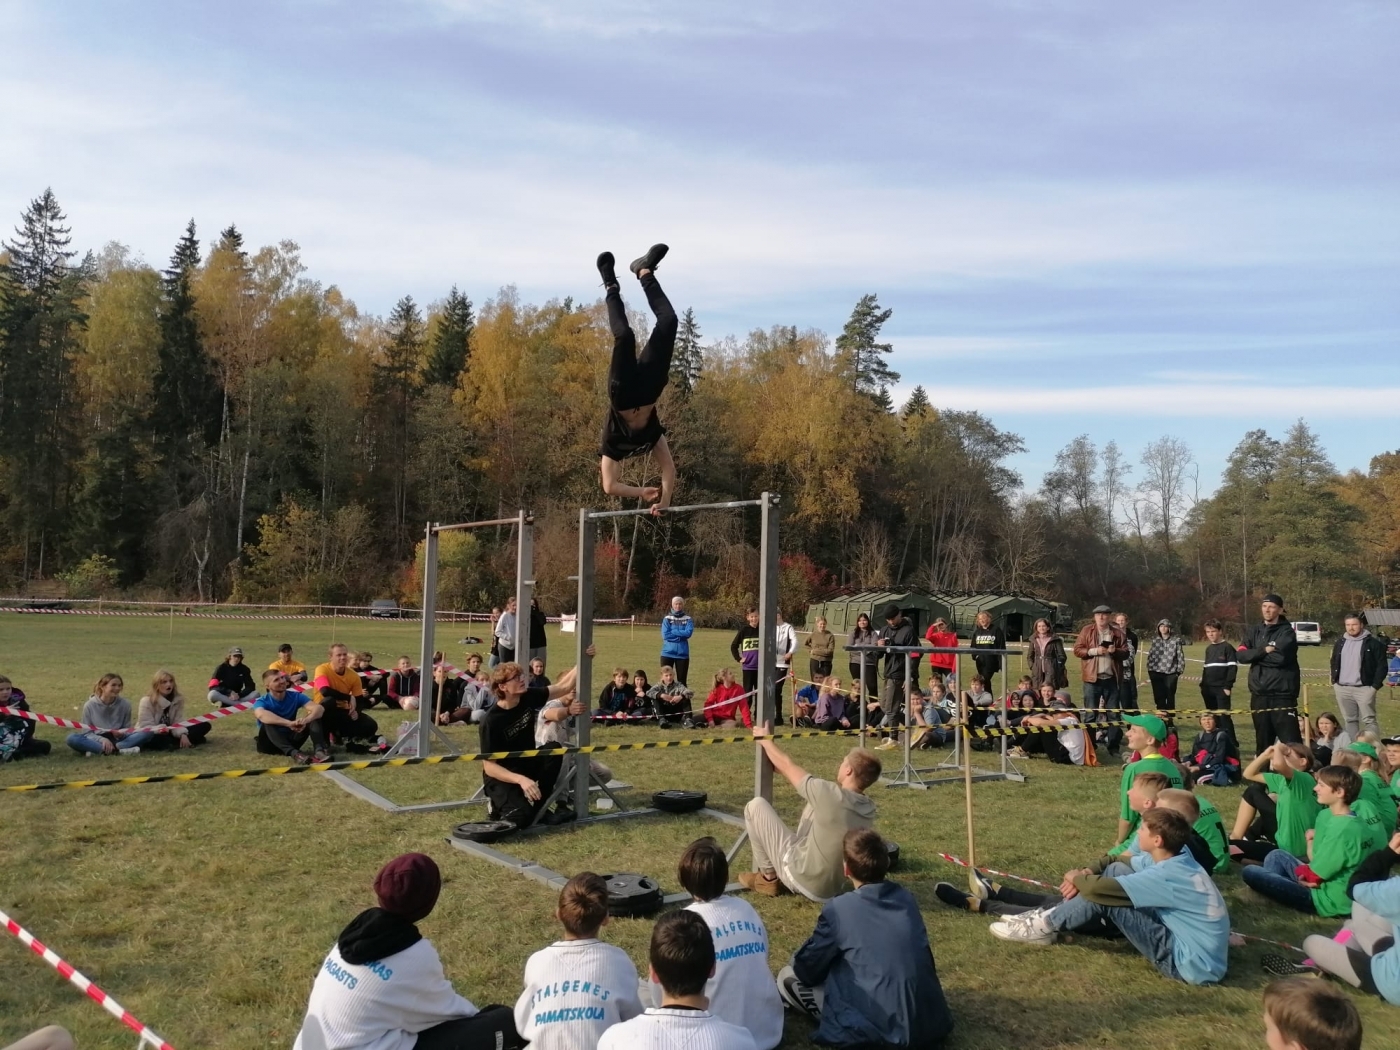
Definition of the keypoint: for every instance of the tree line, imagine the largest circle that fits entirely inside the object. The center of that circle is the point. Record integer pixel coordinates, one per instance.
(230, 428)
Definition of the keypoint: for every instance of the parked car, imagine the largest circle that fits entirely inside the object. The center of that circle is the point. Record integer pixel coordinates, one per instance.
(385, 609)
(1309, 632)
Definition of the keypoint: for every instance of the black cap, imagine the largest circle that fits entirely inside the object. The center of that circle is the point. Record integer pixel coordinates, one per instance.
(1272, 597)
(890, 611)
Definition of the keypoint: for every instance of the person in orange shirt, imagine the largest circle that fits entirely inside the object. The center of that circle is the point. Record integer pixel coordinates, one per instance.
(337, 689)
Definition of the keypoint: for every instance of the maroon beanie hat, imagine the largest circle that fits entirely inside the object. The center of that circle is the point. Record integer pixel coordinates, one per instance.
(408, 886)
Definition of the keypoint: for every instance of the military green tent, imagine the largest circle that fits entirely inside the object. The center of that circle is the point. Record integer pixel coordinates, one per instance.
(1013, 613)
(842, 610)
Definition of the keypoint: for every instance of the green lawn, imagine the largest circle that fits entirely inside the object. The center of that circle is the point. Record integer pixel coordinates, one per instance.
(206, 907)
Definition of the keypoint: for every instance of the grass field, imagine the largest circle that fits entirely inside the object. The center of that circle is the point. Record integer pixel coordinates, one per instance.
(206, 907)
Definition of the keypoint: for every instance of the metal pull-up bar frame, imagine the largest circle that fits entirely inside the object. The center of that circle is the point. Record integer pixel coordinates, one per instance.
(767, 627)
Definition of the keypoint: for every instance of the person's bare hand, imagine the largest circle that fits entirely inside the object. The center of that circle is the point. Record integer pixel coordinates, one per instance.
(1395, 843)
(185, 741)
(532, 790)
(576, 708)
(762, 731)
(1311, 834)
(444, 719)
(592, 651)
(107, 746)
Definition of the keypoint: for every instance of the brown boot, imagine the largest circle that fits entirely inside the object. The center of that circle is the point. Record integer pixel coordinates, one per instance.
(764, 883)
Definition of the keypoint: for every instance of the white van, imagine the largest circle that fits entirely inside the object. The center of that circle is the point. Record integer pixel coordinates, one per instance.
(1308, 632)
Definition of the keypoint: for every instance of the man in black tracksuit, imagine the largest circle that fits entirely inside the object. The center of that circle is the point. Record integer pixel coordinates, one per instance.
(1218, 674)
(1271, 648)
(899, 630)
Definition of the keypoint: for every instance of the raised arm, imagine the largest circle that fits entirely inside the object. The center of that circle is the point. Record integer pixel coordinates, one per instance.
(782, 764)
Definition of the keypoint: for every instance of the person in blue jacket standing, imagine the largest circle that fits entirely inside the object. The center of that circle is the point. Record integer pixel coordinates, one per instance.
(676, 629)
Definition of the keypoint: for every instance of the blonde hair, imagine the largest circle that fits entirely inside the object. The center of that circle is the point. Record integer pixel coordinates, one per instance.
(865, 765)
(1179, 800)
(161, 676)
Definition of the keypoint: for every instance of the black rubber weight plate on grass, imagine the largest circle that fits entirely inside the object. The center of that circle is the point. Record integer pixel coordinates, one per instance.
(677, 801)
(483, 830)
(893, 848)
(631, 895)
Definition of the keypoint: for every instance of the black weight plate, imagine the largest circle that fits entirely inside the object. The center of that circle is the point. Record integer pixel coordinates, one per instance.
(677, 801)
(483, 830)
(893, 849)
(631, 895)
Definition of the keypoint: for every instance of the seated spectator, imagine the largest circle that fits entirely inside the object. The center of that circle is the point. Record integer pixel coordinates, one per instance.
(1302, 1013)
(616, 699)
(1375, 805)
(933, 713)
(1279, 807)
(1144, 735)
(475, 699)
(17, 738)
(670, 699)
(1205, 821)
(742, 990)
(1329, 738)
(382, 985)
(832, 710)
(682, 957)
(232, 682)
(51, 1038)
(577, 988)
(980, 704)
(164, 706)
(337, 691)
(1338, 843)
(1214, 757)
(804, 704)
(447, 690)
(641, 700)
(726, 706)
(1368, 956)
(538, 679)
(405, 684)
(374, 680)
(1023, 690)
(1170, 910)
(1064, 741)
(1023, 706)
(110, 713)
(518, 788)
(867, 972)
(289, 665)
(283, 725)
(807, 861)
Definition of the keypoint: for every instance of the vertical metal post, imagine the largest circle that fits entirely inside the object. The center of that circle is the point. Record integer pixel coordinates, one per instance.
(524, 586)
(908, 702)
(767, 638)
(863, 700)
(425, 706)
(583, 628)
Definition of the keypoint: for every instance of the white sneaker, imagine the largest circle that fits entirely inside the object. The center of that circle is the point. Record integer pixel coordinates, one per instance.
(1018, 752)
(887, 745)
(128, 750)
(1028, 928)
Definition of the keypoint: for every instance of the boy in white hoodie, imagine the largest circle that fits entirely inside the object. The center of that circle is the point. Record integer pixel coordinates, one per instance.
(382, 986)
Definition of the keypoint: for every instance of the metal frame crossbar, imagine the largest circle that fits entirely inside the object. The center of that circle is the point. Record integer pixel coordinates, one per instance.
(631, 511)
(959, 758)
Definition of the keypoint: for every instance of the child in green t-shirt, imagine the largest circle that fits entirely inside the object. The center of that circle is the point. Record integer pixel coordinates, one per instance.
(1279, 807)
(1205, 822)
(1376, 804)
(1339, 842)
(1145, 735)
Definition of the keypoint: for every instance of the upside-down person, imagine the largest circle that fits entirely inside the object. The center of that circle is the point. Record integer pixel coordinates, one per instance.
(517, 788)
(635, 383)
(338, 689)
(809, 860)
(382, 986)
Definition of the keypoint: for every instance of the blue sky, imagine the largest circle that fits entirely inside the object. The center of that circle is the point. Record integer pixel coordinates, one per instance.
(1124, 220)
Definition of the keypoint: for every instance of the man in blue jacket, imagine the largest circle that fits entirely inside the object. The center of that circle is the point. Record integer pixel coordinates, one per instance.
(867, 972)
(676, 629)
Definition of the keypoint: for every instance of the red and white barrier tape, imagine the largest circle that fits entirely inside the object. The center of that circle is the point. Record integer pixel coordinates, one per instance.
(68, 723)
(89, 989)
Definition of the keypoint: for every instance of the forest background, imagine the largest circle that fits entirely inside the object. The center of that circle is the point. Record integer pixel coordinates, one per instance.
(230, 428)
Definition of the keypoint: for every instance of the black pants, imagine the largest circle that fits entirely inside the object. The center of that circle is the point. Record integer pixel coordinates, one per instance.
(1271, 726)
(1127, 694)
(635, 380)
(508, 801)
(33, 748)
(1265, 823)
(492, 1029)
(338, 721)
(1164, 691)
(376, 692)
(872, 678)
(1054, 750)
(779, 682)
(170, 742)
(750, 683)
(679, 664)
(1214, 699)
(283, 740)
(818, 669)
(988, 667)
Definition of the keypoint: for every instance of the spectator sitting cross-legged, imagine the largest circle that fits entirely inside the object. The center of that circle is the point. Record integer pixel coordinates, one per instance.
(832, 711)
(17, 738)
(1368, 957)
(405, 684)
(288, 664)
(1214, 757)
(670, 700)
(617, 698)
(867, 972)
(382, 985)
(337, 691)
(165, 707)
(110, 713)
(283, 725)
(232, 682)
(375, 680)
(726, 705)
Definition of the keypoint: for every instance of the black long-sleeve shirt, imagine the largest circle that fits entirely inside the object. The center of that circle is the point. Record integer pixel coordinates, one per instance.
(1221, 666)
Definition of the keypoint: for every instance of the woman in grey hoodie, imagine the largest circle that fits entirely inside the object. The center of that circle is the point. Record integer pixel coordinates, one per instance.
(110, 714)
(1165, 662)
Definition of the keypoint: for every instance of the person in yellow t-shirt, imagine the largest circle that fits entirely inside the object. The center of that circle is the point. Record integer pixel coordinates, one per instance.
(337, 688)
(289, 665)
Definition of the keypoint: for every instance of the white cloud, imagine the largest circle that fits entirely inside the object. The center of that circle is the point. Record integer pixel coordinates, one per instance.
(1208, 399)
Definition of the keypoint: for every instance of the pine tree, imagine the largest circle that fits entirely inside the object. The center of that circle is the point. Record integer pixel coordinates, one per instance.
(397, 378)
(231, 240)
(918, 403)
(688, 359)
(186, 400)
(452, 342)
(859, 342)
(40, 318)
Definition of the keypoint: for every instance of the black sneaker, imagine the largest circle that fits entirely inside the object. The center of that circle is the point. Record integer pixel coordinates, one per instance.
(649, 261)
(952, 896)
(1277, 965)
(605, 269)
(687, 723)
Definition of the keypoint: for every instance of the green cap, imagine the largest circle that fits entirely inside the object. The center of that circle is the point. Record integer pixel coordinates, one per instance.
(1363, 748)
(1151, 723)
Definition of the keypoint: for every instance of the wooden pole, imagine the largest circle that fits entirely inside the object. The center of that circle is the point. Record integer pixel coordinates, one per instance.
(1307, 720)
(172, 621)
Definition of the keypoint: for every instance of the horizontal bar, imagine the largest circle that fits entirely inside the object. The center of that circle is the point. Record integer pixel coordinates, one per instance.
(482, 524)
(967, 650)
(733, 505)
